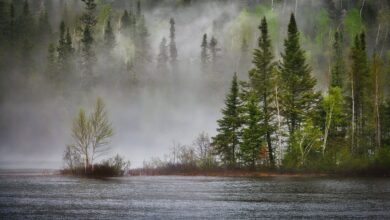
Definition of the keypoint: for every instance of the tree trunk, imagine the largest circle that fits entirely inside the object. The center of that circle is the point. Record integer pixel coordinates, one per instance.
(361, 9)
(353, 116)
(377, 36)
(280, 155)
(377, 114)
(327, 127)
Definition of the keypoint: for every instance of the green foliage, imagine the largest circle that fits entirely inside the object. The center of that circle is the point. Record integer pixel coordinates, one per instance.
(298, 97)
(322, 23)
(91, 135)
(261, 81)
(338, 73)
(226, 141)
(353, 23)
(89, 21)
(253, 132)
(247, 21)
(333, 105)
(305, 143)
(362, 100)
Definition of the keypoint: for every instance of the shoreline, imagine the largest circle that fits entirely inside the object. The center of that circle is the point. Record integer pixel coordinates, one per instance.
(198, 173)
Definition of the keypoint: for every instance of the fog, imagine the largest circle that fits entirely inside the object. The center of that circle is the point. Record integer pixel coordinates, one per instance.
(152, 108)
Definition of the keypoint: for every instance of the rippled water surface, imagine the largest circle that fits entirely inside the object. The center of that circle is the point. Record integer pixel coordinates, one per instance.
(58, 197)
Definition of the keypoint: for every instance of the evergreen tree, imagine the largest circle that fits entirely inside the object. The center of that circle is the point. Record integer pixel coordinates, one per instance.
(172, 43)
(44, 28)
(338, 68)
(64, 51)
(26, 21)
(125, 20)
(261, 80)
(334, 105)
(109, 37)
(51, 66)
(128, 23)
(376, 73)
(361, 90)
(298, 97)
(226, 142)
(138, 12)
(141, 40)
(4, 20)
(163, 56)
(213, 50)
(88, 56)
(204, 55)
(252, 132)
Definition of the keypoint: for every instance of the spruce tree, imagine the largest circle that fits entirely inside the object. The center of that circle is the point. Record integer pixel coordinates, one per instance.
(261, 81)
(204, 55)
(12, 24)
(338, 72)
(64, 51)
(26, 21)
(361, 99)
(298, 97)
(141, 41)
(334, 105)
(51, 66)
(253, 132)
(172, 43)
(226, 142)
(213, 50)
(44, 28)
(109, 37)
(163, 56)
(125, 20)
(4, 20)
(88, 55)
(128, 24)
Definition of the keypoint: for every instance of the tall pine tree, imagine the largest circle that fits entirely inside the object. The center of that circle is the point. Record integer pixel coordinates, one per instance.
(362, 123)
(109, 36)
(172, 43)
(261, 80)
(204, 55)
(163, 58)
(88, 55)
(226, 142)
(298, 97)
(253, 131)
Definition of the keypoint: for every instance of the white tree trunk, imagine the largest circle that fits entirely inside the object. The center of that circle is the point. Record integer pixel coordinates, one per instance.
(327, 127)
(361, 9)
(280, 152)
(377, 35)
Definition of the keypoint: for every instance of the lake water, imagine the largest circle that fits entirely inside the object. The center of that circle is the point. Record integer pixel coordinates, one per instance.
(58, 197)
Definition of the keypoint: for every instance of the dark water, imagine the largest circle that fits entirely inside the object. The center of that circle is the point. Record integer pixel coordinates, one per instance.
(57, 197)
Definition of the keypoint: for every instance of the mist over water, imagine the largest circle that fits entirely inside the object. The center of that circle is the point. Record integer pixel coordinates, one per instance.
(162, 107)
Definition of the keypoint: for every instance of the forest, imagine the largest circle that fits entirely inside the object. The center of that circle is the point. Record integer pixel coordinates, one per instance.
(268, 84)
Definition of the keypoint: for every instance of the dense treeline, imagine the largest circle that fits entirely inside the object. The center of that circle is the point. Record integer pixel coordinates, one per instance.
(279, 111)
(319, 99)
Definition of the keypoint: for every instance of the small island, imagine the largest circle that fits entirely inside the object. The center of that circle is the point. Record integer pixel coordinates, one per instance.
(91, 134)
